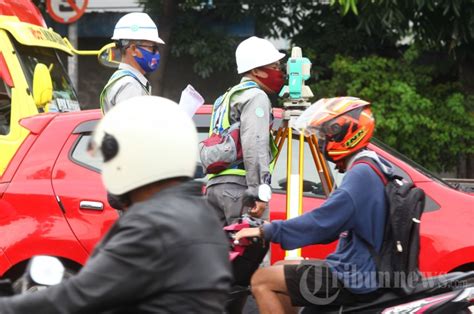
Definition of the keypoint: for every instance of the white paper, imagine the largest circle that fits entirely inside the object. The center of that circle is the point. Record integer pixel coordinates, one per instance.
(190, 100)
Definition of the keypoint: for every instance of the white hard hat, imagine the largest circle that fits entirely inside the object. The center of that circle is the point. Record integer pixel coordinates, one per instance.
(255, 52)
(145, 139)
(137, 26)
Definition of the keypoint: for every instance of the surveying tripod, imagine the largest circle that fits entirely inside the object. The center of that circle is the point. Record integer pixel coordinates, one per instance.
(294, 105)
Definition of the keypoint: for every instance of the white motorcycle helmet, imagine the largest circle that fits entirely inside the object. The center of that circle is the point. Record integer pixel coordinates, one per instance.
(136, 26)
(255, 52)
(143, 140)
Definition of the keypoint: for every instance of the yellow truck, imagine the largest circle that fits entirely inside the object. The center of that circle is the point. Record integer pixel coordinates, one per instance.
(33, 78)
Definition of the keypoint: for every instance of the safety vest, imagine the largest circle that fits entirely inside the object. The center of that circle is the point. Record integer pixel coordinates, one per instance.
(220, 121)
(114, 78)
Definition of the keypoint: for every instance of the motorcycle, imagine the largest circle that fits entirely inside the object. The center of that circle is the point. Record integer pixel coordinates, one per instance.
(246, 256)
(449, 293)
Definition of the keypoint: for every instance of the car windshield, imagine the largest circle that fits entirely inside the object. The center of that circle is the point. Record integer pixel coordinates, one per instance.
(408, 161)
(64, 95)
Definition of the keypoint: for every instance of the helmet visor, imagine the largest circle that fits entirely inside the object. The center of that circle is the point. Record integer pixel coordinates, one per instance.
(326, 131)
(318, 131)
(313, 119)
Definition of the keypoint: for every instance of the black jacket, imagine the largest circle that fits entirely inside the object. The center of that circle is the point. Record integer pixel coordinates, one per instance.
(165, 255)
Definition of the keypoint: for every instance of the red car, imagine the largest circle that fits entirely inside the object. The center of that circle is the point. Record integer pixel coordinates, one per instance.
(52, 200)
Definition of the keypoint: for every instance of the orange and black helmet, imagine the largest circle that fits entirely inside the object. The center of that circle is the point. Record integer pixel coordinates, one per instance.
(343, 125)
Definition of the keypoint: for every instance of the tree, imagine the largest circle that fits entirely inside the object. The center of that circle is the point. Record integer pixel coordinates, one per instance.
(444, 31)
(446, 26)
(428, 121)
(191, 28)
(438, 76)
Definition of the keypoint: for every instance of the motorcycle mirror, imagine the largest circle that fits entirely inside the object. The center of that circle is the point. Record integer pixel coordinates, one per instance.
(46, 270)
(109, 56)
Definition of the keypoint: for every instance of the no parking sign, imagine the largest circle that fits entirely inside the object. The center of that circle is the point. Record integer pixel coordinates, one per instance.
(66, 11)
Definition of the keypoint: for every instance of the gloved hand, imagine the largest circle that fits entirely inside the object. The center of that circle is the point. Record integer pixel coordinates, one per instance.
(249, 198)
(258, 210)
(262, 194)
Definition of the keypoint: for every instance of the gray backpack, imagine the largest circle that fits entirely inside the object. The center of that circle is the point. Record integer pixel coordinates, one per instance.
(223, 150)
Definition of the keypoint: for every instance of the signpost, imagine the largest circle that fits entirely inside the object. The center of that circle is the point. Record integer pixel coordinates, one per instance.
(66, 11)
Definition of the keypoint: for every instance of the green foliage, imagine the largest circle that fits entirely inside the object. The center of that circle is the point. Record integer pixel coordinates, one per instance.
(210, 49)
(325, 33)
(199, 29)
(347, 5)
(447, 25)
(192, 34)
(430, 122)
(421, 107)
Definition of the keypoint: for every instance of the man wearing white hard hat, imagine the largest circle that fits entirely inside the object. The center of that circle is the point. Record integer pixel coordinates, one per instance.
(247, 106)
(137, 37)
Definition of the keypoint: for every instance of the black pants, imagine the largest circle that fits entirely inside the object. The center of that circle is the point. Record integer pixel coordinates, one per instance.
(313, 283)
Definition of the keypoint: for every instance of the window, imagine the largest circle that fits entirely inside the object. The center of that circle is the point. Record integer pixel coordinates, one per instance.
(312, 185)
(64, 95)
(81, 156)
(5, 108)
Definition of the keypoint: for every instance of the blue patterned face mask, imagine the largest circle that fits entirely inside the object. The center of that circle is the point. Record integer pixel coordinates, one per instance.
(149, 62)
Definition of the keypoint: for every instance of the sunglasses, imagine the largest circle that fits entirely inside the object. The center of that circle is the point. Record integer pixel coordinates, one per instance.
(152, 48)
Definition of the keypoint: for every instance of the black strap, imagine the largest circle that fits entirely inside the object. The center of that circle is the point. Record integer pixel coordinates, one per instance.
(373, 164)
(373, 253)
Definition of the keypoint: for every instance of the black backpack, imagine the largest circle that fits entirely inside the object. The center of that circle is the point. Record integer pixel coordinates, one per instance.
(397, 262)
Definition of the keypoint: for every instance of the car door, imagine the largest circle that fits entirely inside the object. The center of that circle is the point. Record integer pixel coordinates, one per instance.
(79, 190)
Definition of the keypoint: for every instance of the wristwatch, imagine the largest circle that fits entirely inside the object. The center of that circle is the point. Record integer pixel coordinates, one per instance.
(264, 193)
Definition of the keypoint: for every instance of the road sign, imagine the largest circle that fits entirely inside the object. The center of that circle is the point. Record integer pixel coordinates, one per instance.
(66, 11)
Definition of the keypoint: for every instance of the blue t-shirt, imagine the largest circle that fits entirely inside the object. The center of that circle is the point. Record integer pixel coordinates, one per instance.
(354, 213)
